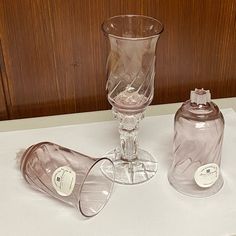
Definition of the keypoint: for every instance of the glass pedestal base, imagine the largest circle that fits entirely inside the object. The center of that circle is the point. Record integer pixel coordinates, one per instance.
(132, 172)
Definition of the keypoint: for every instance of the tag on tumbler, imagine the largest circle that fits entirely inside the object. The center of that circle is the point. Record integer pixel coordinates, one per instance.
(206, 175)
(63, 180)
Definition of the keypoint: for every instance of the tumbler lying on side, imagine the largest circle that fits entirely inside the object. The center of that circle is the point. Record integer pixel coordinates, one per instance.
(199, 129)
(69, 176)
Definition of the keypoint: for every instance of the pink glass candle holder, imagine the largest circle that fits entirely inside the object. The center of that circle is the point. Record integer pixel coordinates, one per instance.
(199, 129)
(130, 87)
(69, 176)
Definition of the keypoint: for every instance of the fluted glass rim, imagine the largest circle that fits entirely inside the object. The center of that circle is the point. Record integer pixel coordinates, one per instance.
(106, 33)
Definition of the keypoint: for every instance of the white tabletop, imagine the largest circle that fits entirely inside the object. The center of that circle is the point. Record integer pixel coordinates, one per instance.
(152, 208)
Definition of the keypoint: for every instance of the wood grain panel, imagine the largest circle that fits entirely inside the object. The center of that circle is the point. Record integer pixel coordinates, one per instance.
(3, 107)
(55, 52)
(3, 101)
(30, 64)
(197, 49)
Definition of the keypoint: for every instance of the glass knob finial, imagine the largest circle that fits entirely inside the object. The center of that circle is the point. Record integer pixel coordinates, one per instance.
(200, 96)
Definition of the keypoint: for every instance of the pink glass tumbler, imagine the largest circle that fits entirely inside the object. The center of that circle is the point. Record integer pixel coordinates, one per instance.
(199, 129)
(69, 176)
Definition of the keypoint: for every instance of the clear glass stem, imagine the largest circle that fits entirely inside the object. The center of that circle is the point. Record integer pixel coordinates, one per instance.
(128, 129)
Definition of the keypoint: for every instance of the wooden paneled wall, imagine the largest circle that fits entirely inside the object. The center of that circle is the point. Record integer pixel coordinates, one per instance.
(3, 107)
(54, 52)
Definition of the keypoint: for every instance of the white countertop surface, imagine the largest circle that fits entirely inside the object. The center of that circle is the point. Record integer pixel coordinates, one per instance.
(152, 208)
